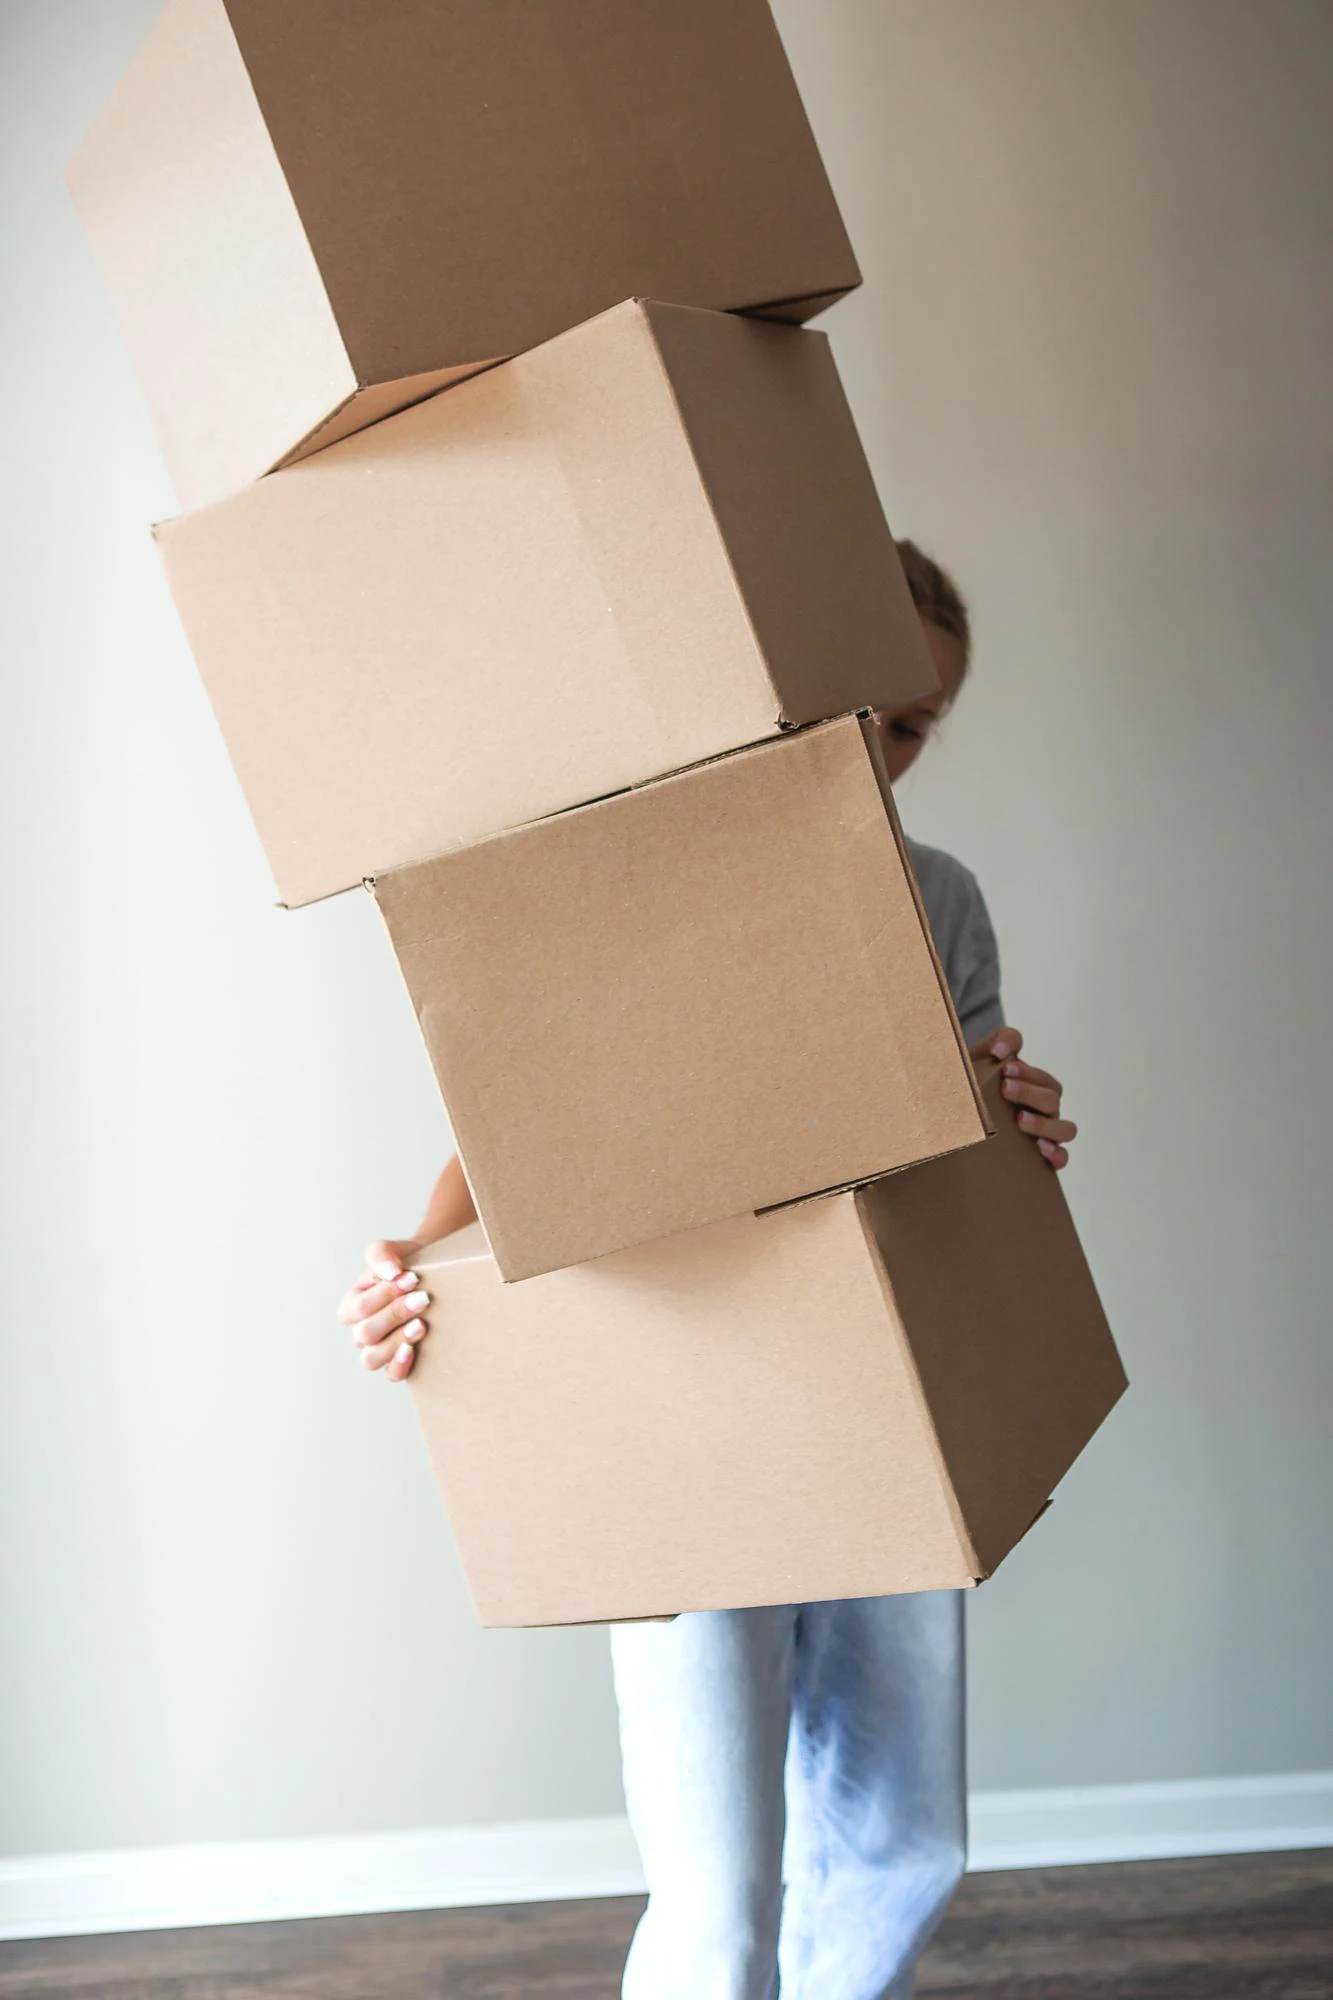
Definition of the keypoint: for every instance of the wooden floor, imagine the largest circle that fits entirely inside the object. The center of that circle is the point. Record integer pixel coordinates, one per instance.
(1251, 1927)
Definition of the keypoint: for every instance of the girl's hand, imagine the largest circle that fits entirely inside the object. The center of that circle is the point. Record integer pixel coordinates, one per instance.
(1035, 1095)
(384, 1309)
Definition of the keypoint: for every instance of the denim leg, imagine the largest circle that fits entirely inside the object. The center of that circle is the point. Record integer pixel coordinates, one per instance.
(876, 1793)
(705, 1710)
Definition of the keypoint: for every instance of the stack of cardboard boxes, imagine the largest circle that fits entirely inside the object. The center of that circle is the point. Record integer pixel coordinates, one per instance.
(537, 578)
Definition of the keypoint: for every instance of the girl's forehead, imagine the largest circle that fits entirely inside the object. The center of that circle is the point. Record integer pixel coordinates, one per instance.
(950, 664)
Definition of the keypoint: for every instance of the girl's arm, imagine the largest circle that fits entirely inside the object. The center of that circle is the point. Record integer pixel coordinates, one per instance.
(450, 1207)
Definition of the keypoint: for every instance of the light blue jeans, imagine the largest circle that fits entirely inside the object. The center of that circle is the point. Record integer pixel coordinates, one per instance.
(816, 1745)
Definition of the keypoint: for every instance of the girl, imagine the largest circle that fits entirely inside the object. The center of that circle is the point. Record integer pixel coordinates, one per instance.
(816, 1746)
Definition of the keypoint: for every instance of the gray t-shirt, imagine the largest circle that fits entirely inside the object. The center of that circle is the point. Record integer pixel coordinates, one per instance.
(964, 938)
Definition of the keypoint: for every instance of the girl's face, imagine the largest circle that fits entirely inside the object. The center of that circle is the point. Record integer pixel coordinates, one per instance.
(904, 732)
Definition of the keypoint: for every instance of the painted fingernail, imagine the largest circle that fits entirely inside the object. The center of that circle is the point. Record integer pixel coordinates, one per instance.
(404, 1351)
(417, 1301)
(386, 1270)
(406, 1282)
(414, 1329)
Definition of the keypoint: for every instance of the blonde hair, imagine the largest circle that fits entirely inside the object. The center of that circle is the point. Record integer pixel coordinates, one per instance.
(936, 596)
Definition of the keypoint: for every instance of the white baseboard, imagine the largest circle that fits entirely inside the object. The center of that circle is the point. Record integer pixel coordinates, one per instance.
(63, 1895)
(243, 1882)
(1150, 1822)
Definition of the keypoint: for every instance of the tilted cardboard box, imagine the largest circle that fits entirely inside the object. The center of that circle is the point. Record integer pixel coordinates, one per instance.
(309, 216)
(651, 540)
(709, 995)
(870, 1393)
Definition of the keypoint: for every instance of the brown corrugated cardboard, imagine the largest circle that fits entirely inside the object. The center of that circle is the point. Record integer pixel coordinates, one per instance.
(1015, 1361)
(872, 1393)
(294, 206)
(712, 994)
(651, 540)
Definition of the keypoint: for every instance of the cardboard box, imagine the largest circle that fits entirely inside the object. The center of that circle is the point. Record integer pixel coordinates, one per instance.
(706, 996)
(652, 540)
(309, 216)
(871, 1393)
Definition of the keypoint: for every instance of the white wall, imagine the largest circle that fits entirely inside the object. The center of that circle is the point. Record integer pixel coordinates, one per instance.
(1090, 360)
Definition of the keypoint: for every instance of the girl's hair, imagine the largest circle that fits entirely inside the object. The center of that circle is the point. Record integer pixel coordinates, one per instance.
(936, 596)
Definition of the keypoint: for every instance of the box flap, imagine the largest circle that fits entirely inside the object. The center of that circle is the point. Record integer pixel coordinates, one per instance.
(875, 752)
(178, 175)
(787, 478)
(1017, 1363)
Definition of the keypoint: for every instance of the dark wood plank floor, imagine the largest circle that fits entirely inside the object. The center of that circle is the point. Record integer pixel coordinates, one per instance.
(1250, 1927)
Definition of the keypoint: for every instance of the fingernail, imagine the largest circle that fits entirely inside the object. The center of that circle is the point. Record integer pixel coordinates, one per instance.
(1012, 1069)
(414, 1329)
(1012, 1086)
(404, 1351)
(406, 1282)
(386, 1270)
(418, 1301)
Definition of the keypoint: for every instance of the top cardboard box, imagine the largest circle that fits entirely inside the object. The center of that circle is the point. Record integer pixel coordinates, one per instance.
(310, 216)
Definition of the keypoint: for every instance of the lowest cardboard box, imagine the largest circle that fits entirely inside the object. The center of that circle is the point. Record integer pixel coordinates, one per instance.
(870, 1393)
(653, 539)
(310, 215)
(708, 995)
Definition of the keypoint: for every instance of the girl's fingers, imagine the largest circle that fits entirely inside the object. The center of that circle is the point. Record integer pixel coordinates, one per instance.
(395, 1354)
(388, 1259)
(370, 1295)
(382, 1260)
(1043, 1097)
(1035, 1095)
(353, 1305)
(378, 1326)
(1029, 1073)
(400, 1365)
(1059, 1130)
(1003, 1043)
(366, 1296)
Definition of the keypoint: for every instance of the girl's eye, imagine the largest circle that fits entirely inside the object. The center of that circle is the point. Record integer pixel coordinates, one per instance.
(905, 732)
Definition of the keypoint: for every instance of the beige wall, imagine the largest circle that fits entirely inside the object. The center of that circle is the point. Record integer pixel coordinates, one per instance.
(1091, 361)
